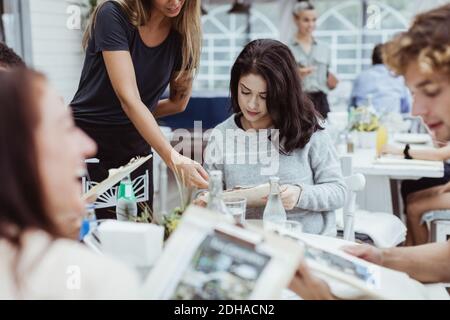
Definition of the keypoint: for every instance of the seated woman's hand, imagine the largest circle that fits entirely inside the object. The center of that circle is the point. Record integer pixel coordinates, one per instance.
(365, 252)
(290, 195)
(190, 172)
(309, 287)
(200, 200)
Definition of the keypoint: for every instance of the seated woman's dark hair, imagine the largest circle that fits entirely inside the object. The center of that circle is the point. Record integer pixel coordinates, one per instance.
(292, 112)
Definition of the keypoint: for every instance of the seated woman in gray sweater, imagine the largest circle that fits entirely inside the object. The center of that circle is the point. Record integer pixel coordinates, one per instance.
(275, 131)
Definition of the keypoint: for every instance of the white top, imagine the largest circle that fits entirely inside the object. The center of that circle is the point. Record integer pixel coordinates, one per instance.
(61, 269)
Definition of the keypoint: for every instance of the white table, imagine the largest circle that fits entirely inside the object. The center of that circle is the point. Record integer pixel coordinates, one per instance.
(377, 195)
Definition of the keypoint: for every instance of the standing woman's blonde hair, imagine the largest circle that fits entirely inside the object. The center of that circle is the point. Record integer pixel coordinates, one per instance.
(187, 23)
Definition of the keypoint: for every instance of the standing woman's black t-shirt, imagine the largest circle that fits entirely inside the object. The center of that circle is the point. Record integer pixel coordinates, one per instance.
(96, 108)
(95, 102)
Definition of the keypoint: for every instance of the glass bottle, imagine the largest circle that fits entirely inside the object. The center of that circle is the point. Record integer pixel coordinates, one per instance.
(126, 207)
(215, 199)
(274, 211)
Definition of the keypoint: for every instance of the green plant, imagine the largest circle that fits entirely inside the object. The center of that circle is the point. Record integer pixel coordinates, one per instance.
(171, 220)
(362, 119)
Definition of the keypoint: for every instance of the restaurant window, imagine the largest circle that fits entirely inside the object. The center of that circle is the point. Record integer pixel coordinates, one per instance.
(352, 28)
(225, 35)
(15, 26)
(2, 28)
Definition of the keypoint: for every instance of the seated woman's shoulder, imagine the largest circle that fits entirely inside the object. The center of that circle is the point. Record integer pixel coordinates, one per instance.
(320, 136)
(228, 123)
(221, 128)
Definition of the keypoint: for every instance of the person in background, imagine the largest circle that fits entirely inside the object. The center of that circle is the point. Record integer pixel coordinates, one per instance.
(8, 58)
(265, 92)
(313, 58)
(135, 49)
(422, 56)
(42, 159)
(389, 92)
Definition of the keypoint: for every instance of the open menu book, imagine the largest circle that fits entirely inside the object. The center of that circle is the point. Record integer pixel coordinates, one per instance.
(210, 258)
(115, 176)
(353, 278)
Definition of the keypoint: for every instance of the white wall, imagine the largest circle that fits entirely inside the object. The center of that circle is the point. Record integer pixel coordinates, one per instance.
(55, 49)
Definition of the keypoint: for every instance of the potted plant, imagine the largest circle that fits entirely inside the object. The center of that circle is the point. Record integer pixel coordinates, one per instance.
(364, 123)
(171, 220)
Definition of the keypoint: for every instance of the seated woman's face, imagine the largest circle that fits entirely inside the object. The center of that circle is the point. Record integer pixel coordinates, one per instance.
(61, 151)
(252, 93)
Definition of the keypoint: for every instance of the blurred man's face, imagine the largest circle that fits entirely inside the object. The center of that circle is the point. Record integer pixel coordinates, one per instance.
(431, 99)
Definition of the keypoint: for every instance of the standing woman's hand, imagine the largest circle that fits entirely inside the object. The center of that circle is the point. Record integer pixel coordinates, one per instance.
(190, 172)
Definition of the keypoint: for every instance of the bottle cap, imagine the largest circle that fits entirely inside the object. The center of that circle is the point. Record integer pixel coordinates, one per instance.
(84, 230)
(274, 179)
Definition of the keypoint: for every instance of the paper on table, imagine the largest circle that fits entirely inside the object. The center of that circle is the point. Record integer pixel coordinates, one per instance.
(413, 138)
(254, 195)
(352, 278)
(407, 162)
(115, 175)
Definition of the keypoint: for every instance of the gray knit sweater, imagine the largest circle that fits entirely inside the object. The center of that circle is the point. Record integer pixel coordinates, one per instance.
(248, 158)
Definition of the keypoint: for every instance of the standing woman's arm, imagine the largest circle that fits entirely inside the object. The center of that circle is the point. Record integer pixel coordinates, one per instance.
(123, 79)
(180, 93)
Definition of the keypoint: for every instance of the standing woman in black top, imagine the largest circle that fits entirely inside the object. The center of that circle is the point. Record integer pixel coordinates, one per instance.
(134, 50)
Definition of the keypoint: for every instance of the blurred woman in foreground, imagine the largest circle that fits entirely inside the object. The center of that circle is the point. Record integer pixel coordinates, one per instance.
(42, 159)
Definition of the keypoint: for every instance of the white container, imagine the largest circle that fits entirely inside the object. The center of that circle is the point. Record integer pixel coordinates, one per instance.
(367, 140)
(136, 244)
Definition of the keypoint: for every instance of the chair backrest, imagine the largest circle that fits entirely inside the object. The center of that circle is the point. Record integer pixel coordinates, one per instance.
(109, 198)
(439, 221)
(355, 183)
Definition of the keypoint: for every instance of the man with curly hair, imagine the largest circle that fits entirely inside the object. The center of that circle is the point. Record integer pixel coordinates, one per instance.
(8, 58)
(422, 56)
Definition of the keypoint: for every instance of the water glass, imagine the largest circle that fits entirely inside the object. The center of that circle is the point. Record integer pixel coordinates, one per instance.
(237, 208)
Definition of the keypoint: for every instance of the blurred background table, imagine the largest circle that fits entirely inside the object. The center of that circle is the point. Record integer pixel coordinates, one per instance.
(382, 181)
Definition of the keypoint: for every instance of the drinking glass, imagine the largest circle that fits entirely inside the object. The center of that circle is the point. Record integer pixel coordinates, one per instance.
(237, 207)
